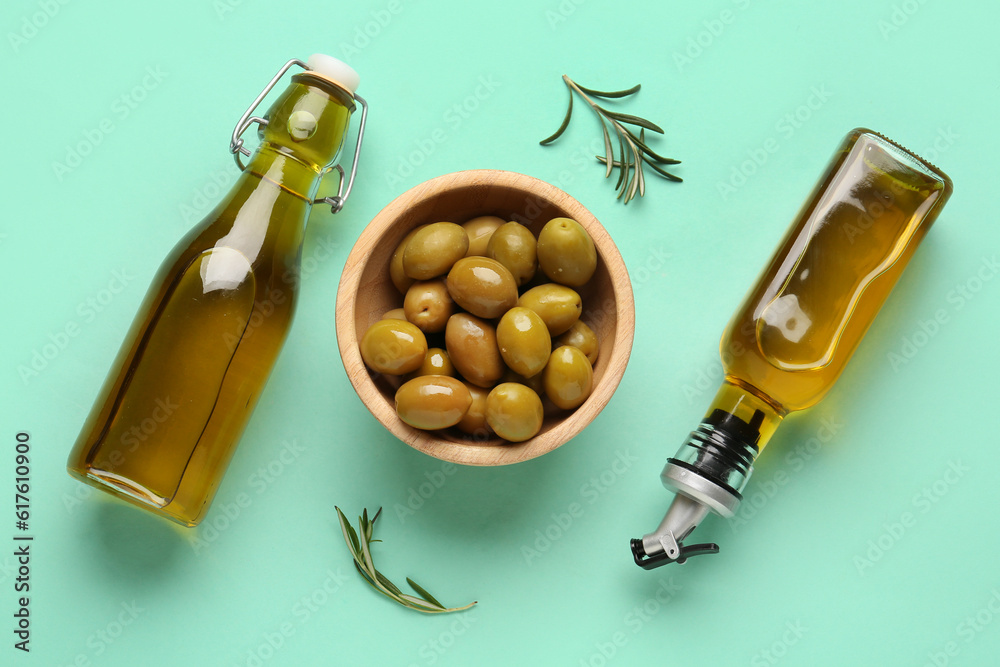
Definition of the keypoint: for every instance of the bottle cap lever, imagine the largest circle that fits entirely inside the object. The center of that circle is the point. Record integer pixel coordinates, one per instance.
(337, 202)
(651, 562)
(664, 545)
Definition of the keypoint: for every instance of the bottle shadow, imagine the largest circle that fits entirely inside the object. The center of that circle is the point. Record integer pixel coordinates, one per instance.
(134, 545)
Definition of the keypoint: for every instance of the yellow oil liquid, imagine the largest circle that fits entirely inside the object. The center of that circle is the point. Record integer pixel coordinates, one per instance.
(799, 325)
(207, 335)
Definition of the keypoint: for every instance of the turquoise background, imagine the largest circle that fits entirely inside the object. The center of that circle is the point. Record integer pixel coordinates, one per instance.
(870, 534)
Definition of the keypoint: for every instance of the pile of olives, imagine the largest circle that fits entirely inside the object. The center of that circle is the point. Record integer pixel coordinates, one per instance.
(504, 313)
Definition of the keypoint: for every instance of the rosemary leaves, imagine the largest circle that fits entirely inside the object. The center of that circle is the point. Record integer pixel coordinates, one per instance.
(361, 551)
(633, 151)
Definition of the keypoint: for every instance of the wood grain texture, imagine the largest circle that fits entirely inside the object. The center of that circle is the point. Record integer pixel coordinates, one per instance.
(366, 293)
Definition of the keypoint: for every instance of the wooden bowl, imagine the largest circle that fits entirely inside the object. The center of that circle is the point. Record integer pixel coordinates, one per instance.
(366, 293)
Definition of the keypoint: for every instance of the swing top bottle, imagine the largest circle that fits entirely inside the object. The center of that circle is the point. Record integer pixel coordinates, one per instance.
(206, 337)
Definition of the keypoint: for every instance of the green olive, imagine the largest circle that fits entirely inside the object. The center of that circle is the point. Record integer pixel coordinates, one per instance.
(557, 305)
(524, 341)
(433, 249)
(395, 314)
(482, 286)
(436, 362)
(514, 411)
(474, 420)
(472, 347)
(396, 273)
(393, 347)
(479, 231)
(581, 336)
(432, 401)
(514, 246)
(566, 252)
(428, 305)
(568, 377)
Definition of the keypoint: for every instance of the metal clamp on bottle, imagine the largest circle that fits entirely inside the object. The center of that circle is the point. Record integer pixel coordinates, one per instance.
(237, 148)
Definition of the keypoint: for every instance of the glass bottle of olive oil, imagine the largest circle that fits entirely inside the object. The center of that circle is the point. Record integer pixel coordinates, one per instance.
(798, 326)
(203, 343)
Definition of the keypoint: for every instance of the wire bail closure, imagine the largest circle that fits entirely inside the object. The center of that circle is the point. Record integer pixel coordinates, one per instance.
(237, 148)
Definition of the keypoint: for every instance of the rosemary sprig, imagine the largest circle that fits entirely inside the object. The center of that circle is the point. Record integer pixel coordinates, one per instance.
(361, 551)
(633, 152)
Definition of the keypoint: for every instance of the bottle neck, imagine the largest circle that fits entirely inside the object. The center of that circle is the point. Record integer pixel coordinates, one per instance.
(304, 133)
(710, 470)
(716, 461)
(267, 209)
(291, 174)
(756, 416)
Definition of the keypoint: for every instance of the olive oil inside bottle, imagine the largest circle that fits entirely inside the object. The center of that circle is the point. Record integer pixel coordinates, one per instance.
(200, 350)
(797, 329)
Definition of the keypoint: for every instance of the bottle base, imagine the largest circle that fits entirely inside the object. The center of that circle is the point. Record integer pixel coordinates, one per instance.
(127, 487)
(131, 493)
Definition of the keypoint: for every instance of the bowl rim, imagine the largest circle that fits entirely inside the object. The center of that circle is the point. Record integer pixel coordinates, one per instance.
(473, 453)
